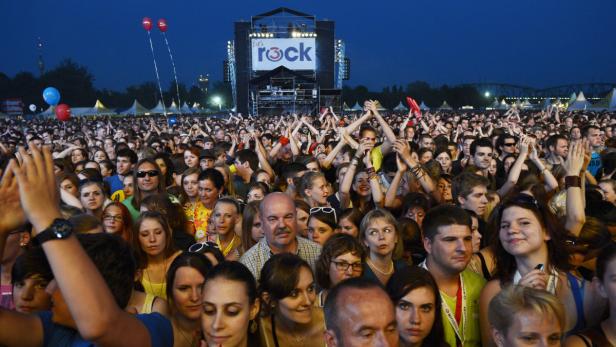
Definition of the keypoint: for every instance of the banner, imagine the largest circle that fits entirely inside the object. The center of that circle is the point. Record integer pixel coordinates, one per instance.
(294, 54)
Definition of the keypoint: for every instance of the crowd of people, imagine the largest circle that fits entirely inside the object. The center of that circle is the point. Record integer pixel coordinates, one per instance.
(480, 228)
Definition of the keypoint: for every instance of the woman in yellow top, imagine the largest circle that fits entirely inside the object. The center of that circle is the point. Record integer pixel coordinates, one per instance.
(224, 219)
(189, 195)
(210, 185)
(289, 316)
(154, 245)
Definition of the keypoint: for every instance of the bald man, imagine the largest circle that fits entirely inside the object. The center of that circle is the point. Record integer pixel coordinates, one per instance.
(279, 223)
(358, 312)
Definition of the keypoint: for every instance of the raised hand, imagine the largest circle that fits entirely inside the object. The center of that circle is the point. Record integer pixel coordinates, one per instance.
(38, 192)
(11, 214)
(575, 159)
(404, 152)
(400, 164)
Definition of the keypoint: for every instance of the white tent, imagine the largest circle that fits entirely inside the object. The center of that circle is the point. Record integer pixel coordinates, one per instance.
(445, 107)
(158, 109)
(546, 103)
(607, 103)
(173, 108)
(99, 109)
(400, 108)
(503, 105)
(580, 103)
(81, 111)
(424, 107)
(356, 107)
(135, 110)
(572, 99)
(526, 104)
(346, 107)
(494, 105)
(49, 112)
(185, 109)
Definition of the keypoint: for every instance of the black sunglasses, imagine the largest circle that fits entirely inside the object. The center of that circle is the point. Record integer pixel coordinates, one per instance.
(151, 173)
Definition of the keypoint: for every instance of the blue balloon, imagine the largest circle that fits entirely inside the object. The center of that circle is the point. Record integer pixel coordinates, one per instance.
(51, 96)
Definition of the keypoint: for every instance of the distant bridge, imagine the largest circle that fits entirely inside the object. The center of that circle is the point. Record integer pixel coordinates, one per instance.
(514, 91)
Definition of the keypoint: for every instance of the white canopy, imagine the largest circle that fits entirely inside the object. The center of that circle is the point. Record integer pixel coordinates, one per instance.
(580, 103)
(135, 110)
(159, 108)
(424, 107)
(400, 107)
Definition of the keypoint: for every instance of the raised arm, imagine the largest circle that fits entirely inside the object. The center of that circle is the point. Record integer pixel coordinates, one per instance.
(261, 154)
(576, 217)
(391, 197)
(404, 152)
(375, 184)
(390, 137)
(516, 168)
(89, 300)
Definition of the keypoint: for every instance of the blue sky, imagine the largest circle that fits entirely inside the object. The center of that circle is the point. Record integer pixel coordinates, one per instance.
(536, 43)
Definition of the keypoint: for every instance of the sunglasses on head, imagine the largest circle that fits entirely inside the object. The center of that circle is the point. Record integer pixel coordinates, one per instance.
(151, 173)
(200, 246)
(326, 210)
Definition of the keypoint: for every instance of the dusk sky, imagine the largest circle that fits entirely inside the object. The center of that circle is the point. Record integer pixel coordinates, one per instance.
(538, 43)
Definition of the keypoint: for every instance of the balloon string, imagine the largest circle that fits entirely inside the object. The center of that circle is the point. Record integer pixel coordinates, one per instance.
(177, 86)
(160, 89)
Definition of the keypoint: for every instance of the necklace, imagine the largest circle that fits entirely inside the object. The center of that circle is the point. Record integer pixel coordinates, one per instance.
(147, 274)
(376, 268)
(189, 340)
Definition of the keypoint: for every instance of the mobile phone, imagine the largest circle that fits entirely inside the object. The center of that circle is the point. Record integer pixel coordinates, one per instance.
(539, 267)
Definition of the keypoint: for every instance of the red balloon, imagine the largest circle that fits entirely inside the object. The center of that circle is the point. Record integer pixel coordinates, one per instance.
(146, 22)
(63, 112)
(162, 25)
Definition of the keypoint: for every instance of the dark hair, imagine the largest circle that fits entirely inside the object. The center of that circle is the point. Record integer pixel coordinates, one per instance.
(330, 308)
(412, 241)
(113, 258)
(169, 174)
(335, 246)
(480, 142)
(213, 175)
(462, 185)
(557, 253)
(328, 218)
(605, 257)
(127, 153)
(444, 215)
(352, 214)
(196, 261)
(237, 272)
(83, 223)
(247, 155)
(410, 278)
(279, 277)
(31, 262)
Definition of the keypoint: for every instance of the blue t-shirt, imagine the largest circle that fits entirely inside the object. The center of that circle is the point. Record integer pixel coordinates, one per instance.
(115, 183)
(159, 328)
(595, 163)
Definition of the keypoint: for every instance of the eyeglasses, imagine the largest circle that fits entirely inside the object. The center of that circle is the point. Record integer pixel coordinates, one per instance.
(343, 266)
(509, 144)
(109, 217)
(326, 210)
(151, 173)
(200, 246)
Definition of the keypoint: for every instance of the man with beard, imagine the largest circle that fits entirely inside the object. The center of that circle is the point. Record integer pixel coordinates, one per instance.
(279, 223)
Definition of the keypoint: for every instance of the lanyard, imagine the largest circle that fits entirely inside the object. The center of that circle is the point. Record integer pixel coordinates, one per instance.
(461, 309)
(228, 249)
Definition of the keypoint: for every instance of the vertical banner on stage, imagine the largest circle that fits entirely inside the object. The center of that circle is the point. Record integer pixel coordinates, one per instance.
(294, 54)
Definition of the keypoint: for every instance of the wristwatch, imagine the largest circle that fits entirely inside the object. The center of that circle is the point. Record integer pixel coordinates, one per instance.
(60, 229)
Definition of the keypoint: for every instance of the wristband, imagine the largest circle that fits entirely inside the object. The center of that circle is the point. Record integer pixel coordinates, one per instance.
(370, 171)
(573, 181)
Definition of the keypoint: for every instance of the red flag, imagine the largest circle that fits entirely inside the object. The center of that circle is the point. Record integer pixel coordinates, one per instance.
(413, 106)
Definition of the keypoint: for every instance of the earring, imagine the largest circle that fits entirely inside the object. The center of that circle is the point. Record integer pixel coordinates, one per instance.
(253, 326)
